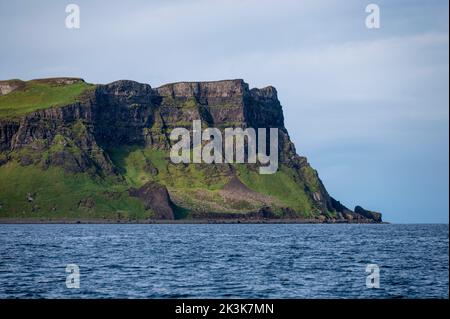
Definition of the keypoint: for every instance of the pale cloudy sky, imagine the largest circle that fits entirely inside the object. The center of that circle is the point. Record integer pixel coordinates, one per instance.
(368, 107)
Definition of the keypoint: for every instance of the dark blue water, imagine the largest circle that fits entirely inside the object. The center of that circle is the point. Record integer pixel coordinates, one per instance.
(251, 261)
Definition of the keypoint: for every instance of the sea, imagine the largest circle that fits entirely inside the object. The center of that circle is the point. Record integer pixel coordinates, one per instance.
(318, 261)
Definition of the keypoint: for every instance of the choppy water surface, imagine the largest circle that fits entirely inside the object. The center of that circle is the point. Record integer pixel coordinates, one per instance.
(224, 261)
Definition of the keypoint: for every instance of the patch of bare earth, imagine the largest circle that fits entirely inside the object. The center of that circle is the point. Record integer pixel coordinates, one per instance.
(235, 190)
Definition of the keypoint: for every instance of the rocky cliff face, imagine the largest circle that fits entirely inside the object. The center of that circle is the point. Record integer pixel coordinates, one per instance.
(118, 131)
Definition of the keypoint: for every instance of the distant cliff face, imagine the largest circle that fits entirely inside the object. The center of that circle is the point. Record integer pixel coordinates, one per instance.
(109, 149)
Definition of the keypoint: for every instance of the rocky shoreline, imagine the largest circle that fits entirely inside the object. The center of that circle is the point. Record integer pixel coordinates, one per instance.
(179, 221)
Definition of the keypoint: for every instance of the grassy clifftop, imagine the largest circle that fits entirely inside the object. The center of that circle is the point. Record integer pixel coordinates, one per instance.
(34, 95)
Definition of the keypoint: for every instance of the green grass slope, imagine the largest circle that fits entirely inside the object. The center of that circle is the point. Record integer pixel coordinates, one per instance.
(30, 191)
(198, 186)
(33, 191)
(38, 94)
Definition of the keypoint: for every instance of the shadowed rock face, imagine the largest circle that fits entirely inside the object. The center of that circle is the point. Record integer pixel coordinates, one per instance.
(156, 198)
(368, 214)
(79, 136)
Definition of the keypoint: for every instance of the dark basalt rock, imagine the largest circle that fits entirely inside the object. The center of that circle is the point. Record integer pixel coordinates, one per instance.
(375, 216)
(155, 198)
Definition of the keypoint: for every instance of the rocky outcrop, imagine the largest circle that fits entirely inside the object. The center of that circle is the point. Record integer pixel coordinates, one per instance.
(155, 198)
(10, 85)
(375, 216)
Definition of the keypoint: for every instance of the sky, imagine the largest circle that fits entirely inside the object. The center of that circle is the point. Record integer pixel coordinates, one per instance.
(369, 108)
